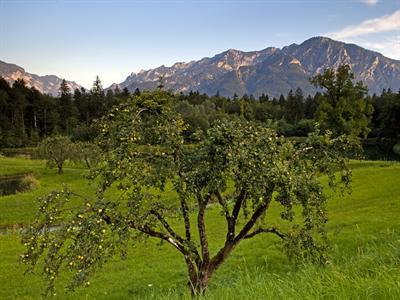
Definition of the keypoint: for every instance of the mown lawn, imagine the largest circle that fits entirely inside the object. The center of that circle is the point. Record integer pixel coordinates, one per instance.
(364, 230)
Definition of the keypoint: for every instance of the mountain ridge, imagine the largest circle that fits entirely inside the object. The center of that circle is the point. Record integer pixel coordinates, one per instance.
(46, 84)
(272, 70)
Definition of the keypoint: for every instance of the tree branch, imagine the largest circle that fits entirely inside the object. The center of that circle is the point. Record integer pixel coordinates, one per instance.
(238, 204)
(301, 151)
(202, 228)
(231, 241)
(149, 231)
(181, 193)
(256, 215)
(224, 205)
(235, 214)
(185, 214)
(167, 226)
(265, 230)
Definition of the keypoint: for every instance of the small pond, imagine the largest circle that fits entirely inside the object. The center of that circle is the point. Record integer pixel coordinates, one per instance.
(19, 183)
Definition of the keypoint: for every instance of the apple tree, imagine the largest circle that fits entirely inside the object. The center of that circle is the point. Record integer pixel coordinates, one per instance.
(241, 167)
(56, 150)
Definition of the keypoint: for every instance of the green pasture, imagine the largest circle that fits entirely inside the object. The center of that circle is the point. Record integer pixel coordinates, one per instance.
(364, 231)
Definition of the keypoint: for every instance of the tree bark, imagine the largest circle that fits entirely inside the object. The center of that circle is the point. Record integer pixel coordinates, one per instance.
(208, 266)
(34, 120)
(198, 281)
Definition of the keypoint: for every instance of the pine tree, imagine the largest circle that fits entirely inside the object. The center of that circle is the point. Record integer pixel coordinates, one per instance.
(136, 92)
(125, 93)
(67, 109)
(97, 100)
(19, 92)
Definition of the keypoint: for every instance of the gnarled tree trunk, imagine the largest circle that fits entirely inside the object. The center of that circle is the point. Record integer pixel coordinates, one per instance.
(60, 169)
(199, 278)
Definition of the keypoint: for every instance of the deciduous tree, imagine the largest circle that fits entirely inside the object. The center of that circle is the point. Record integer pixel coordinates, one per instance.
(241, 166)
(56, 150)
(342, 107)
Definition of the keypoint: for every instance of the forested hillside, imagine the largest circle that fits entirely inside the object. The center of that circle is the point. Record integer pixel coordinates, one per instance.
(27, 116)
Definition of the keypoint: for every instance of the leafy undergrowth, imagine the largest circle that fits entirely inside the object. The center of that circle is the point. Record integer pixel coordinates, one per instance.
(364, 231)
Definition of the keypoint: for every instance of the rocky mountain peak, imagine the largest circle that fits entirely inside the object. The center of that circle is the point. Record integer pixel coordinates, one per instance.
(47, 84)
(273, 70)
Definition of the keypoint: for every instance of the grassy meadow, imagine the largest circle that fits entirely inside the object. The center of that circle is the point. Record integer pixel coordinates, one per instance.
(364, 231)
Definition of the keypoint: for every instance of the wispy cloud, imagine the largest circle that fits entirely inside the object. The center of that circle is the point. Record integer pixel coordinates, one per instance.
(369, 2)
(389, 46)
(383, 24)
(393, 42)
(380, 34)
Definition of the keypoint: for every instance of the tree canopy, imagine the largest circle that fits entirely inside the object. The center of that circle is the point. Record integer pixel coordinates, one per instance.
(56, 150)
(343, 108)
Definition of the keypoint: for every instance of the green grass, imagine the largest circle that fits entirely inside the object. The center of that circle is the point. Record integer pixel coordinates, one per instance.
(364, 230)
(21, 208)
(12, 166)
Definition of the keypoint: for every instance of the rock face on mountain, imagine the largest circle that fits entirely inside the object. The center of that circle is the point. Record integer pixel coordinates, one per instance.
(48, 84)
(272, 70)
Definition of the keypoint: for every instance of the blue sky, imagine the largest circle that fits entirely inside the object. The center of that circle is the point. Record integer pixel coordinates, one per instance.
(78, 40)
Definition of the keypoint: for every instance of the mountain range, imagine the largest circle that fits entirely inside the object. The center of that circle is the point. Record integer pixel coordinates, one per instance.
(47, 84)
(273, 71)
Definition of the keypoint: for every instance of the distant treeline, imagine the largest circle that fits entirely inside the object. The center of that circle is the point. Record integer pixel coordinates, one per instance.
(27, 116)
